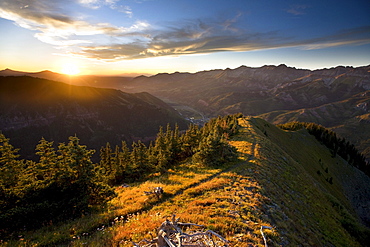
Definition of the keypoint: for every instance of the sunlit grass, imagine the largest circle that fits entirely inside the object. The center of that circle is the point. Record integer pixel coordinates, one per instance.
(129, 201)
(228, 204)
(275, 184)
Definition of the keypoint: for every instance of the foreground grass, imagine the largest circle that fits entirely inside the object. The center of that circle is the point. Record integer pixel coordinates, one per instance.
(275, 183)
(130, 201)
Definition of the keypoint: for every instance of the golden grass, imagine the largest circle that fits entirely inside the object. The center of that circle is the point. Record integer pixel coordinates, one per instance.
(274, 184)
(229, 204)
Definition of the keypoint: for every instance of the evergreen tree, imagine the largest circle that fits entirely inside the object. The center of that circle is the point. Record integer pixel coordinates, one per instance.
(10, 167)
(139, 159)
(213, 150)
(107, 164)
(46, 168)
(190, 141)
(80, 180)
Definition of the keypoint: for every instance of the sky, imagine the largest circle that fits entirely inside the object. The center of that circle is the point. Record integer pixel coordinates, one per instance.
(122, 37)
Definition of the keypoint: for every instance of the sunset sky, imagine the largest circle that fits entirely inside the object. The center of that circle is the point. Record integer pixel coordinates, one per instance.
(154, 36)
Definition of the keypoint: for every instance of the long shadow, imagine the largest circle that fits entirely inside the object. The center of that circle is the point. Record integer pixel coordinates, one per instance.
(166, 197)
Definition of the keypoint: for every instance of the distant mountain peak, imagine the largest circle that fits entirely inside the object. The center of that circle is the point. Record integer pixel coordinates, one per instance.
(10, 72)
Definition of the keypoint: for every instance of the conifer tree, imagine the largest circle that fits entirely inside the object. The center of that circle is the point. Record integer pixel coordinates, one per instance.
(77, 159)
(139, 159)
(10, 167)
(125, 161)
(46, 168)
(107, 163)
(190, 141)
(80, 177)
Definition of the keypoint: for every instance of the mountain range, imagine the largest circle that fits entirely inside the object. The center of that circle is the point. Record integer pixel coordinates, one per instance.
(337, 98)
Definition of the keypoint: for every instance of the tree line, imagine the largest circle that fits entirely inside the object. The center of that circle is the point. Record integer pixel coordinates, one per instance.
(337, 145)
(207, 145)
(64, 183)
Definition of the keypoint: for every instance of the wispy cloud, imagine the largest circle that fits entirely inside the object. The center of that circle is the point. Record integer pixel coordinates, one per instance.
(354, 36)
(209, 36)
(297, 9)
(187, 37)
(113, 4)
(55, 26)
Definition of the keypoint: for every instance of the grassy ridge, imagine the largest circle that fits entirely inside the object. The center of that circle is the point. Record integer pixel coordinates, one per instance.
(280, 180)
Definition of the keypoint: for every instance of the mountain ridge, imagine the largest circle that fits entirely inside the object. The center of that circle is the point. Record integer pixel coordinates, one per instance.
(266, 90)
(263, 91)
(36, 108)
(285, 182)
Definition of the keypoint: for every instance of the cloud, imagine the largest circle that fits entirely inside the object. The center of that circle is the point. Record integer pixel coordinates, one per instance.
(96, 4)
(354, 36)
(104, 41)
(187, 37)
(55, 26)
(297, 9)
(201, 37)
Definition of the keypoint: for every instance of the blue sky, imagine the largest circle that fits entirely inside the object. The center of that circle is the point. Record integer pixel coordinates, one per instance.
(154, 36)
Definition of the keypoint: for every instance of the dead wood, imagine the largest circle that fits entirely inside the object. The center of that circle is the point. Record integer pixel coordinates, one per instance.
(171, 234)
(157, 191)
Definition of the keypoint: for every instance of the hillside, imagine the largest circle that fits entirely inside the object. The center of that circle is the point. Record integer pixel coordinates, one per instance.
(349, 118)
(337, 98)
(284, 180)
(32, 108)
(115, 82)
(331, 97)
(254, 91)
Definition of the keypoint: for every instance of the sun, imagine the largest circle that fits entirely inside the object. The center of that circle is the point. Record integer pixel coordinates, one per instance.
(70, 69)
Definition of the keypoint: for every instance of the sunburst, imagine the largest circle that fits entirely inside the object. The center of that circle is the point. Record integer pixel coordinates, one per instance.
(70, 69)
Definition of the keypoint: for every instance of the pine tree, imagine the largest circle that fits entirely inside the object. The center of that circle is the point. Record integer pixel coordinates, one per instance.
(10, 167)
(190, 141)
(79, 177)
(139, 159)
(77, 158)
(107, 163)
(46, 168)
(125, 161)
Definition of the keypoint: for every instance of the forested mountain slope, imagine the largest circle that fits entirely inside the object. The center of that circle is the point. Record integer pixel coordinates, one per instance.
(31, 108)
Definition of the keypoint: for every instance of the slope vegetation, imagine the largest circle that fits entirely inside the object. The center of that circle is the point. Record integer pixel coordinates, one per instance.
(284, 180)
